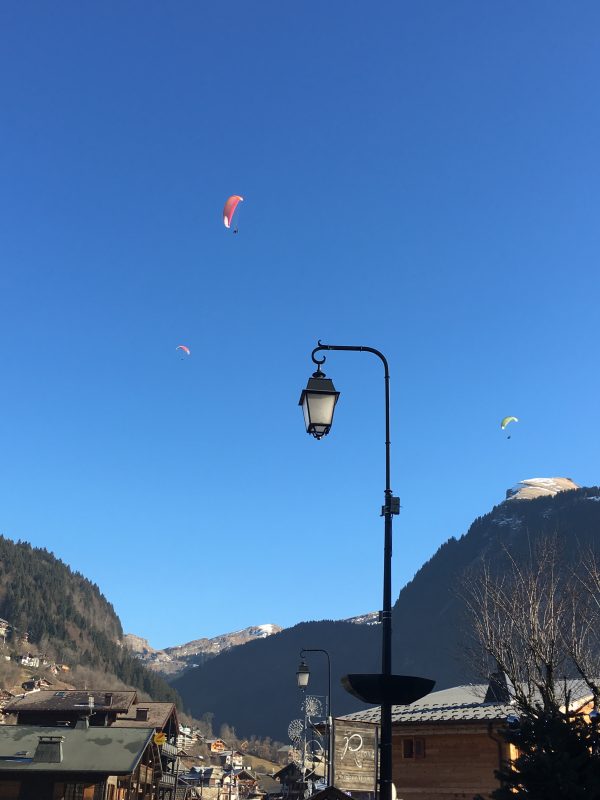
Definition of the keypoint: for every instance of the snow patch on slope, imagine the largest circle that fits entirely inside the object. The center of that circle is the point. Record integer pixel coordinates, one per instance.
(540, 487)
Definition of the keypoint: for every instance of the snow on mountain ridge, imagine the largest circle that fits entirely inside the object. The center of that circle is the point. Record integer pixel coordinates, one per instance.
(531, 488)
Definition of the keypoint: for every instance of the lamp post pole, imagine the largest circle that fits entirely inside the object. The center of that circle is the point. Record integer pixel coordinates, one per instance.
(390, 508)
(302, 672)
(594, 716)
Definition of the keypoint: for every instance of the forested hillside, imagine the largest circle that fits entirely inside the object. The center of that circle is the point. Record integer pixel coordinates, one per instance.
(253, 687)
(66, 616)
(429, 621)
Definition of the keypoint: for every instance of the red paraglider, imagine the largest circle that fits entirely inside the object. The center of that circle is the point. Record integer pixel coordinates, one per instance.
(229, 209)
(184, 348)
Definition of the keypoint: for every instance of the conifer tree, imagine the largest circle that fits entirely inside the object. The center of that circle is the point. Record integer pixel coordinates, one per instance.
(558, 759)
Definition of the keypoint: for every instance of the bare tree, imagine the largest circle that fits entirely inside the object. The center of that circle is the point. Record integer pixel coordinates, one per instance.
(537, 620)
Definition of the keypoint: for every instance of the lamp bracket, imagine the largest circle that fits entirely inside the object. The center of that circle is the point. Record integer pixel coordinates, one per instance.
(318, 361)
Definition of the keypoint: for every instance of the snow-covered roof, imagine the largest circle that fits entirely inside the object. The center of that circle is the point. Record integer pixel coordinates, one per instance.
(457, 704)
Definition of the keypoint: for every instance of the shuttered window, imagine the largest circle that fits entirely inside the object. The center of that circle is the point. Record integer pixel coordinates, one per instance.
(413, 747)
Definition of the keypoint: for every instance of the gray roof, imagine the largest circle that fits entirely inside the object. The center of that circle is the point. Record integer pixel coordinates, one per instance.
(158, 716)
(109, 751)
(458, 704)
(71, 700)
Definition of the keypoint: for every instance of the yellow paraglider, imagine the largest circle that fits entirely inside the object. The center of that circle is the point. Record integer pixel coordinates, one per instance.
(506, 421)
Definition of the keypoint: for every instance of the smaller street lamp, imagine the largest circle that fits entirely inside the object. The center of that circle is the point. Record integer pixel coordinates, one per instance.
(318, 403)
(302, 675)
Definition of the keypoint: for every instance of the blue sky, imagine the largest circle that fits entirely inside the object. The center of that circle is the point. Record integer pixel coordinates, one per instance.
(420, 177)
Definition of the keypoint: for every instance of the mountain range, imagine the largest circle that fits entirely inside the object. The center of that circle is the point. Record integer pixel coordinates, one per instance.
(253, 688)
(172, 661)
(247, 679)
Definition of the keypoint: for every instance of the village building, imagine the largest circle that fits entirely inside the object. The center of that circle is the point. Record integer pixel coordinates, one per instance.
(285, 754)
(211, 776)
(246, 782)
(46, 763)
(30, 661)
(232, 758)
(294, 782)
(66, 707)
(216, 745)
(35, 684)
(186, 737)
(268, 788)
(447, 746)
(73, 712)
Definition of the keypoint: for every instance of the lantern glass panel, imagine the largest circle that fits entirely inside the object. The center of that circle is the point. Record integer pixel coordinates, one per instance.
(320, 409)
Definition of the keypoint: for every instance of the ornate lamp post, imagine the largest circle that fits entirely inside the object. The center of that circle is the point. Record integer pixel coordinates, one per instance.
(302, 677)
(318, 401)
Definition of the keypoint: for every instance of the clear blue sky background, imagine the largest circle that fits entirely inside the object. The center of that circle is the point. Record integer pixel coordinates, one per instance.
(421, 177)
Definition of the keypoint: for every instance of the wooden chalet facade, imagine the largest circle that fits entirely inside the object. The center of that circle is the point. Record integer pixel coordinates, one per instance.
(447, 746)
(79, 716)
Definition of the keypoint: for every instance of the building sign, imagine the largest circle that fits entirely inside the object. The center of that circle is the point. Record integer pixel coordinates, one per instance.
(354, 756)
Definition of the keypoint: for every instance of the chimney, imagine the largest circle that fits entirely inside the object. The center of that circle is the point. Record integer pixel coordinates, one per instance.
(108, 699)
(49, 750)
(498, 690)
(141, 714)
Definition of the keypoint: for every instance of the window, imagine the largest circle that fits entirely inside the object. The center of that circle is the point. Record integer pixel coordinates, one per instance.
(413, 747)
(10, 790)
(82, 791)
(74, 791)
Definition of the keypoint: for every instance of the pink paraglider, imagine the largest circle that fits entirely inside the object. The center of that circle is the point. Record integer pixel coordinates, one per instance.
(184, 348)
(229, 209)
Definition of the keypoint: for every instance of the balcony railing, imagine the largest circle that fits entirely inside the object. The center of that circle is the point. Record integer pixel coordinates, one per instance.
(169, 750)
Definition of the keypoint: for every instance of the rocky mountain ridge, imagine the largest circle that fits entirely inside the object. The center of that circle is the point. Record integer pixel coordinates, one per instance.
(173, 661)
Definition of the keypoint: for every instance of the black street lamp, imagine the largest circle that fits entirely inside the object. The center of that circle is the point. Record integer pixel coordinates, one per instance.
(318, 401)
(302, 677)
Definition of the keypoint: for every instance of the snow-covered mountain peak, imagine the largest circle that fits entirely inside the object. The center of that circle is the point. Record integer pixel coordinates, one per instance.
(539, 487)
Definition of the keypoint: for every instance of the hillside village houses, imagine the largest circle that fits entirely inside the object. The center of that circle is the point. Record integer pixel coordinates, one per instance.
(53, 751)
(445, 747)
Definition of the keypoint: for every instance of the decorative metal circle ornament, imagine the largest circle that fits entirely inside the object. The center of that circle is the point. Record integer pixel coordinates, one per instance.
(312, 706)
(315, 752)
(296, 730)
